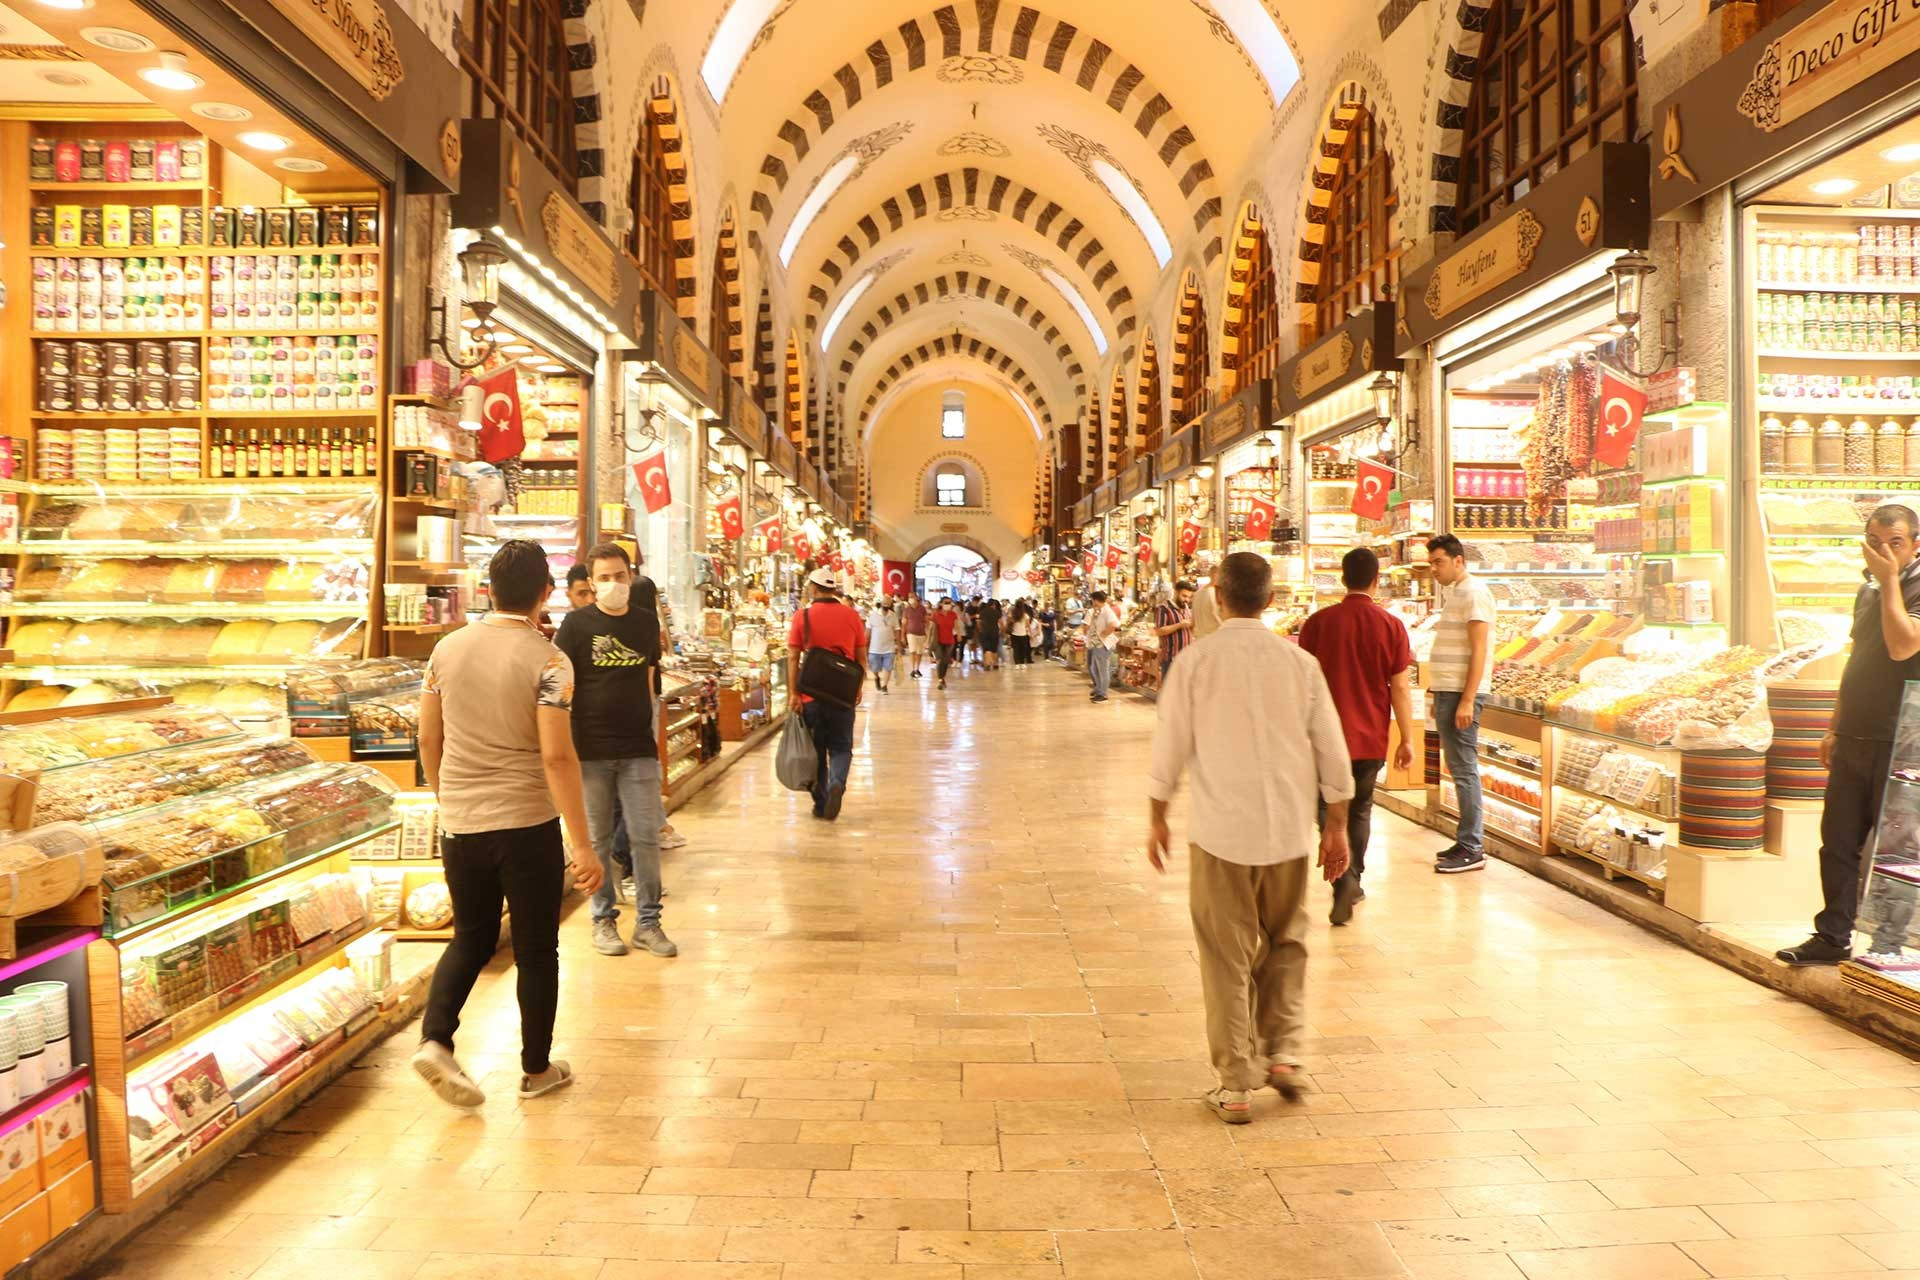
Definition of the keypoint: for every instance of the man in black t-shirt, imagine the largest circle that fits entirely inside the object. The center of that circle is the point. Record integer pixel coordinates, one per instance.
(1858, 749)
(614, 645)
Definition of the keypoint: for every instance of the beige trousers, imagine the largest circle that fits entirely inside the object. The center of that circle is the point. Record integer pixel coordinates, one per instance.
(1251, 927)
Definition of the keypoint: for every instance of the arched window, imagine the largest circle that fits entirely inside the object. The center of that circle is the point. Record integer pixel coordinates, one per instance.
(953, 481)
(1359, 249)
(766, 384)
(795, 415)
(515, 55)
(650, 241)
(1256, 323)
(953, 416)
(1146, 428)
(1554, 78)
(1192, 397)
(950, 487)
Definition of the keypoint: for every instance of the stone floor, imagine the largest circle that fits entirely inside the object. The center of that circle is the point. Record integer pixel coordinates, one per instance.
(958, 1037)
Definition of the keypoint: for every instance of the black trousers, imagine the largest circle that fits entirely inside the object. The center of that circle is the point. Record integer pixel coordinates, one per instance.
(1366, 775)
(1022, 651)
(1855, 782)
(527, 867)
(943, 654)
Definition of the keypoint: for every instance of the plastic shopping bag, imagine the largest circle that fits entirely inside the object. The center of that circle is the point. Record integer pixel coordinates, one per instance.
(794, 759)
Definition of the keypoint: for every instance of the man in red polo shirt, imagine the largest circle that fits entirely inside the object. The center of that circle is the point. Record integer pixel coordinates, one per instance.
(827, 623)
(1364, 652)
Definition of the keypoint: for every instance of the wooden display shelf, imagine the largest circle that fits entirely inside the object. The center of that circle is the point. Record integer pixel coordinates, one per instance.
(1638, 809)
(80, 915)
(1612, 870)
(202, 250)
(432, 402)
(197, 184)
(424, 629)
(1856, 286)
(1776, 353)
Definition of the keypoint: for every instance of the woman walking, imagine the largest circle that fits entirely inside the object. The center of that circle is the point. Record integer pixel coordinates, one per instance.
(1022, 627)
(990, 635)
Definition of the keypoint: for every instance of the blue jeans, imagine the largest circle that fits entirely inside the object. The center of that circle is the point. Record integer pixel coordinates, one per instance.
(1100, 667)
(832, 730)
(636, 780)
(1462, 748)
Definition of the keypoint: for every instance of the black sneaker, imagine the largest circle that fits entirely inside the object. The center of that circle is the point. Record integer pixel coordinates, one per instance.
(1456, 862)
(1815, 950)
(1447, 852)
(1346, 892)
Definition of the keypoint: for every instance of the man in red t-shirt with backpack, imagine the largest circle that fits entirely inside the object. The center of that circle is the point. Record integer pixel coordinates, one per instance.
(829, 624)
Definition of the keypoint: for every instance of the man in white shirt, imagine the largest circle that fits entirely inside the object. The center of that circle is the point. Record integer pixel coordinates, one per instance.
(1460, 673)
(1103, 637)
(1237, 711)
(880, 643)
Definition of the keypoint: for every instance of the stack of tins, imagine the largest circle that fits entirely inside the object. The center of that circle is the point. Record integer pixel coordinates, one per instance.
(1801, 711)
(1723, 800)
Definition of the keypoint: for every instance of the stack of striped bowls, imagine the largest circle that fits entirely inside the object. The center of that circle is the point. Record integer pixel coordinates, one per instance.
(1801, 710)
(1723, 800)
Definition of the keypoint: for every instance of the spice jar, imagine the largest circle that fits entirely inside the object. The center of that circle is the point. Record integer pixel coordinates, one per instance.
(1890, 449)
(1830, 448)
(1799, 448)
(1773, 445)
(1859, 447)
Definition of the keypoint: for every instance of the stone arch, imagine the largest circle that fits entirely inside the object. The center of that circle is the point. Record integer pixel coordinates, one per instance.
(965, 541)
(1149, 402)
(979, 484)
(925, 373)
(725, 308)
(1351, 104)
(1118, 417)
(1192, 352)
(959, 345)
(1252, 242)
(1458, 55)
(766, 376)
(794, 419)
(584, 27)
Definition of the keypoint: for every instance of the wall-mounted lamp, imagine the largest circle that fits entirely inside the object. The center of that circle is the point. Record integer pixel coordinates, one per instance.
(1630, 272)
(1386, 397)
(480, 264)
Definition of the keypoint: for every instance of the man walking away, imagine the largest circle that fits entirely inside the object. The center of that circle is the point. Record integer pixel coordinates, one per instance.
(614, 646)
(826, 624)
(1461, 670)
(1049, 621)
(1250, 716)
(1368, 661)
(1206, 610)
(1858, 750)
(880, 643)
(1173, 623)
(947, 624)
(1103, 637)
(916, 626)
(497, 748)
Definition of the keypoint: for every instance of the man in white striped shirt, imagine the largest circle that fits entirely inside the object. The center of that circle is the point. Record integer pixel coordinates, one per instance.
(1250, 716)
(1460, 672)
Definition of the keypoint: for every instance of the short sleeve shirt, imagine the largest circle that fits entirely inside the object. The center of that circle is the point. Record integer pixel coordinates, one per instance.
(1361, 648)
(491, 677)
(946, 625)
(1469, 600)
(1873, 685)
(827, 625)
(879, 630)
(1166, 615)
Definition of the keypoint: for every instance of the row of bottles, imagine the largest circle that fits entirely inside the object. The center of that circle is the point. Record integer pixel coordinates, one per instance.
(309, 452)
(1799, 448)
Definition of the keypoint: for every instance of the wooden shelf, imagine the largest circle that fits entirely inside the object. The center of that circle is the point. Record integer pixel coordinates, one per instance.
(196, 250)
(1639, 809)
(434, 402)
(1612, 869)
(1768, 353)
(196, 185)
(1776, 286)
(429, 629)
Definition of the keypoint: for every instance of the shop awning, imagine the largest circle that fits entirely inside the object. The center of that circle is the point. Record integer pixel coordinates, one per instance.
(667, 343)
(1247, 412)
(1360, 348)
(1762, 100)
(1597, 203)
(745, 420)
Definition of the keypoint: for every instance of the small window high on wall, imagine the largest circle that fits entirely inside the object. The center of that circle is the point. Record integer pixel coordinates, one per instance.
(950, 487)
(953, 422)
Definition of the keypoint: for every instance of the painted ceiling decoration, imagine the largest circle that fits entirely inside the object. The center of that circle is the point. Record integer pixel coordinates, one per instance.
(850, 164)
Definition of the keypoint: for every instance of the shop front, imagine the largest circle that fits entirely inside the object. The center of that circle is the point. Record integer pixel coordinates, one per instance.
(1192, 550)
(1254, 496)
(1134, 529)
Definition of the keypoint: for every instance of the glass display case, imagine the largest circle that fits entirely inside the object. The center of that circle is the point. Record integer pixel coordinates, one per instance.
(320, 699)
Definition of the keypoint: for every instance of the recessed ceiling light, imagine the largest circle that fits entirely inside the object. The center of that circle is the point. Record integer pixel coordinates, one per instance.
(553, 366)
(118, 39)
(1905, 153)
(261, 140)
(299, 164)
(516, 348)
(1833, 186)
(223, 111)
(70, 6)
(172, 73)
(65, 79)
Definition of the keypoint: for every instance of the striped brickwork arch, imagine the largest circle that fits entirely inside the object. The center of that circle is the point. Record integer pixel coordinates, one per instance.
(579, 28)
(1147, 411)
(766, 374)
(985, 41)
(1459, 66)
(728, 327)
(978, 189)
(1192, 356)
(1117, 432)
(961, 284)
(1348, 111)
(1246, 338)
(954, 344)
(793, 417)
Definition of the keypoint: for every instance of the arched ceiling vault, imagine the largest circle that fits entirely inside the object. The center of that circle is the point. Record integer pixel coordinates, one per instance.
(948, 368)
(973, 349)
(994, 327)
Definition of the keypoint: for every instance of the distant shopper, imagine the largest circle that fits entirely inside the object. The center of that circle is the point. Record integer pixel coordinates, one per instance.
(1049, 631)
(964, 623)
(1103, 637)
(826, 624)
(973, 630)
(579, 587)
(1368, 661)
(1173, 623)
(948, 623)
(1461, 671)
(496, 744)
(1020, 629)
(915, 620)
(1250, 716)
(881, 623)
(1206, 610)
(614, 646)
(990, 616)
(1858, 749)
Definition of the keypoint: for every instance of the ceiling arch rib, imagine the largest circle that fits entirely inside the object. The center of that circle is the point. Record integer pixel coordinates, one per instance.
(972, 348)
(993, 326)
(984, 41)
(970, 188)
(949, 368)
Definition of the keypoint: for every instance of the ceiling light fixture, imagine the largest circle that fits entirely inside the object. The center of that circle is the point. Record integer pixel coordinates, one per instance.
(300, 164)
(1833, 186)
(225, 112)
(118, 39)
(67, 6)
(172, 73)
(1905, 153)
(261, 140)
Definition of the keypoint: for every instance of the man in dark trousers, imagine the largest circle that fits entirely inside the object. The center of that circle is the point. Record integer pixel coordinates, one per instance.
(1858, 749)
(826, 623)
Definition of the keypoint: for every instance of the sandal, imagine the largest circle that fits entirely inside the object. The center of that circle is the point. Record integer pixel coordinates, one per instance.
(1287, 1081)
(1234, 1106)
(558, 1075)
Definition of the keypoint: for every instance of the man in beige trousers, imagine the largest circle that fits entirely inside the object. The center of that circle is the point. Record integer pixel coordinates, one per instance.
(1249, 715)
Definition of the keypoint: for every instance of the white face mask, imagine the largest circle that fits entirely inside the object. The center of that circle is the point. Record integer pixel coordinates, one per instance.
(613, 595)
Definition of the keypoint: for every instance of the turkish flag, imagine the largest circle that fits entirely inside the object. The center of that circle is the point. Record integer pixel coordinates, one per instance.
(1259, 520)
(651, 475)
(1035, 577)
(769, 530)
(501, 434)
(1087, 561)
(802, 549)
(1190, 537)
(898, 578)
(1144, 552)
(1372, 483)
(1114, 557)
(731, 525)
(1622, 405)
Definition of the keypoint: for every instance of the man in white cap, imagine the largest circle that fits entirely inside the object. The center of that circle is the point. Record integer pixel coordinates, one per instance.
(827, 623)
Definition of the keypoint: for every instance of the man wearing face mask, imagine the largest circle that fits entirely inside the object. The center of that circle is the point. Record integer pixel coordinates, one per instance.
(614, 646)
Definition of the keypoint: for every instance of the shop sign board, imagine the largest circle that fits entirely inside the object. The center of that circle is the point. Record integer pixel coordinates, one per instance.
(1360, 347)
(1175, 456)
(1135, 480)
(1800, 77)
(668, 343)
(781, 454)
(356, 34)
(1596, 203)
(1245, 413)
(1103, 500)
(1082, 511)
(505, 185)
(746, 421)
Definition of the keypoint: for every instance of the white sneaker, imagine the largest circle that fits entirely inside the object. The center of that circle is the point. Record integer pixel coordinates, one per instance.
(435, 1063)
(606, 937)
(671, 839)
(654, 940)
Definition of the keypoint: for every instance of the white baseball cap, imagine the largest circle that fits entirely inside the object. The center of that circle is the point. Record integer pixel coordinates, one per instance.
(824, 578)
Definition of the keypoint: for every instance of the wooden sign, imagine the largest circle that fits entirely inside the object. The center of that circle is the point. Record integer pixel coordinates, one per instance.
(580, 246)
(354, 33)
(1825, 55)
(1320, 367)
(1485, 263)
(1362, 345)
(692, 358)
(1248, 411)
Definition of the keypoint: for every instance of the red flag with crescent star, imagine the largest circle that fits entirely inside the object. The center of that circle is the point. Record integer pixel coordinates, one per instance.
(897, 579)
(1144, 552)
(1087, 561)
(1189, 537)
(1259, 520)
(1622, 406)
(769, 530)
(501, 434)
(1035, 577)
(1114, 557)
(1371, 484)
(802, 548)
(731, 524)
(650, 474)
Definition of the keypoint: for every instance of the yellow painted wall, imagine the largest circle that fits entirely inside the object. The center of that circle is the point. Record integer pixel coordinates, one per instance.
(999, 441)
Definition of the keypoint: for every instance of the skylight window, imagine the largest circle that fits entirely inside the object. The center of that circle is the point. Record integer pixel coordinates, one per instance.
(830, 182)
(840, 312)
(1079, 304)
(1121, 188)
(953, 416)
(1260, 36)
(731, 43)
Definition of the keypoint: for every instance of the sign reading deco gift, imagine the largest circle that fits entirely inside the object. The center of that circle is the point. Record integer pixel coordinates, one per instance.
(1598, 202)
